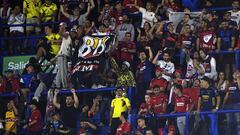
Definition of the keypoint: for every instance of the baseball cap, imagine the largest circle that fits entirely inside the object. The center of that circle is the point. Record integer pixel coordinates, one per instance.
(158, 69)
(9, 71)
(62, 23)
(127, 64)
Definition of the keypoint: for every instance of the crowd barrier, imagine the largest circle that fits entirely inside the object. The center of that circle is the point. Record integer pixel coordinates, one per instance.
(133, 117)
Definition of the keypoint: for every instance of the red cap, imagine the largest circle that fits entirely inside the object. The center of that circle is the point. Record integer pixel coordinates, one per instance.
(158, 69)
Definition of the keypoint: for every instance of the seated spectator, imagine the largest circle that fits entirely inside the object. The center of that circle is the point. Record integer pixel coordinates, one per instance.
(33, 125)
(87, 128)
(50, 46)
(68, 110)
(55, 126)
(167, 66)
(235, 12)
(48, 11)
(125, 127)
(125, 27)
(145, 108)
(11, 82)
(206, 39)
(11, 118)
(118, 105)
(158, 80)
(147, 13)
(142, 126)
(209, 64)
(32, 62)
(124, 74)
(16, 18)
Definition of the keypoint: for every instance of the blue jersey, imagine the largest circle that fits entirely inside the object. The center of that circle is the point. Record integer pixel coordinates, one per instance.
(234, 93)
(226, 36)
(208, 98)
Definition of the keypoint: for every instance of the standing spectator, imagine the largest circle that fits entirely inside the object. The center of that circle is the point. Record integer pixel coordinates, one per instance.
(16, 18)
(1, 84)
(209, 64)
(186, 43)
(206, 39)
(106, 14)
(186, 21)
(11, 119)
(118, 12)
(231, 102)
(68, 110)
(158, 103)
(5, 11)
(222, 85)
(226, 42)
(118, 105)
(34, 122)
(125, 127)
(235, 12)
(147, 14)
(62, 57)
(125, 76)
(169, 38)
(183, 103)
(126, 49)
(144, 74)
(129, 5)
(212, 22)
(125, 27)
(209, 100)
(48, 11)
(31, 9)
(167, 66)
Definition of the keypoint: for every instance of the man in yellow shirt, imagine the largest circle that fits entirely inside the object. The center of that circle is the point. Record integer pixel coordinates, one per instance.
(10, 119)
(48, 11)
(118, 105)
(31, 9)
(51, 46)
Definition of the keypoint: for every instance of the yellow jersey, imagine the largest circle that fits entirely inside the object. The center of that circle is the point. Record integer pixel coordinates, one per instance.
(47, 11)
(10, 126)
(31, 8)
(119, 105)
(55, 47)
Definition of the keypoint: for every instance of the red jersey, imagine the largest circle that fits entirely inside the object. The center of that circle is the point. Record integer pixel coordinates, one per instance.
(124, 56)
(193, 94)
(36, 115)
(124, 128)
(128, 4)
(157, 103)
(11, 85)
(206, 40)
(118, 17)
(161, 82)
(182, 103)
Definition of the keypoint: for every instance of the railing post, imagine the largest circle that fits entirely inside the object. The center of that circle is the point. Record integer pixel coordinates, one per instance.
(187, 123)
(237, 59)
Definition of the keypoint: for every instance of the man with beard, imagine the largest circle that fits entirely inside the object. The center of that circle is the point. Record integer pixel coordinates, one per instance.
(68, 110)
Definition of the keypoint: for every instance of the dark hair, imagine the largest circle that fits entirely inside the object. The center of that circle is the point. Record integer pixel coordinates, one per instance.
(205, 78)
(125, 115)
(177, 86)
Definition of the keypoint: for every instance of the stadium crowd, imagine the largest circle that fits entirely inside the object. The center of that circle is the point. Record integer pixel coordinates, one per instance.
(171, 69)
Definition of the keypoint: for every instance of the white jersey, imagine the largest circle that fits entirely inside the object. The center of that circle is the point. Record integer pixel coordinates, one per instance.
(235, 16)
(66, 45)
(168, 67)
(147, 16)
(192, 72)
